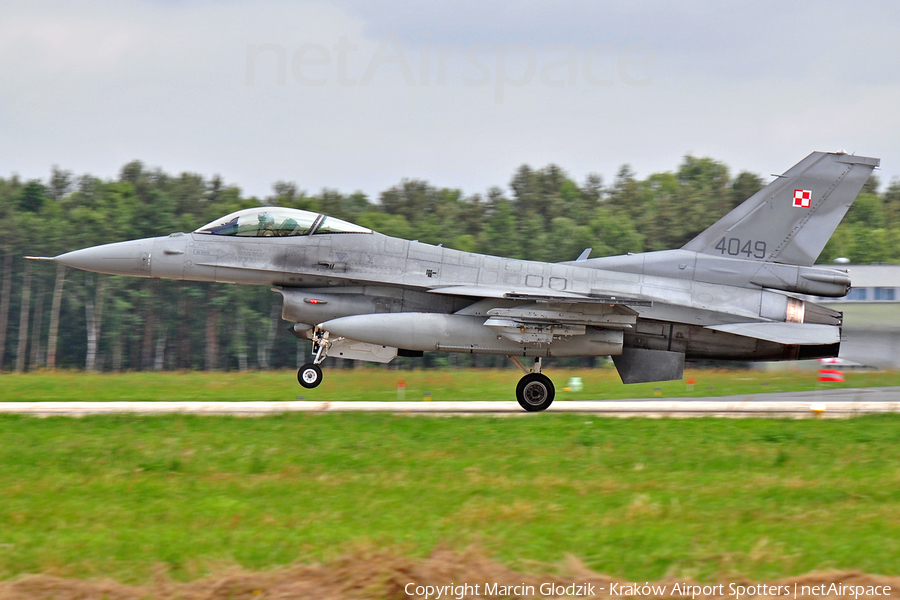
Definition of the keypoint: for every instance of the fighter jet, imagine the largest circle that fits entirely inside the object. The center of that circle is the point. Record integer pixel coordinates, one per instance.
(731, 293)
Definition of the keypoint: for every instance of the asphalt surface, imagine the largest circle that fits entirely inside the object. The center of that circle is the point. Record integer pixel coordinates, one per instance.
(823, 403)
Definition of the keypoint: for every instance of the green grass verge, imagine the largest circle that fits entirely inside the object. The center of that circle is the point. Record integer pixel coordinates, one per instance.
(638, 498)
(371, 383)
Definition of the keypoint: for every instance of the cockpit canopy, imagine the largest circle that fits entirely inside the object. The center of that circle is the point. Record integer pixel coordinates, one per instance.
(275, 221)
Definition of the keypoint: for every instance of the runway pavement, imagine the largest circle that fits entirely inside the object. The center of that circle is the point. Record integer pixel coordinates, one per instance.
(822, 403)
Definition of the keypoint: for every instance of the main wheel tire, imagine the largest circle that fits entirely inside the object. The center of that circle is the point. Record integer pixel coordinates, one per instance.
(535, 392)
(309, 375)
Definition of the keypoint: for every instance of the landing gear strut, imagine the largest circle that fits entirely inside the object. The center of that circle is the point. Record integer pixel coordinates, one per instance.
(535, 391)
(310, 374)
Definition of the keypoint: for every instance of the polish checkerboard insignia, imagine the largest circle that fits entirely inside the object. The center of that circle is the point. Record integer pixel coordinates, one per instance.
(802, 198)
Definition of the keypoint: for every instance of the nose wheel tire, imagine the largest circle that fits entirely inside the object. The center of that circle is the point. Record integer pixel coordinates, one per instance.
(535, 392)
(309, 375)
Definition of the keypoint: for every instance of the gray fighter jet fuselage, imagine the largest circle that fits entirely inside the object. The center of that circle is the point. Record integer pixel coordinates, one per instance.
(357, 294)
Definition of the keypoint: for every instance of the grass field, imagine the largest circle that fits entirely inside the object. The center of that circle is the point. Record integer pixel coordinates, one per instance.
(638, 498)
(371, 383)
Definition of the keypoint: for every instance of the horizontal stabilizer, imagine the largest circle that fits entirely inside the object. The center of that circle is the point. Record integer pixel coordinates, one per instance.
(799, 334)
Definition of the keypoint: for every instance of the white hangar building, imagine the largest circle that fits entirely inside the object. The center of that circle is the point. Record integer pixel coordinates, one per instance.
(871, 333)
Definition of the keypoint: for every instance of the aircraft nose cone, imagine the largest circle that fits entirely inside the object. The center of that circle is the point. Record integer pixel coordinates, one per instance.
(122, 258)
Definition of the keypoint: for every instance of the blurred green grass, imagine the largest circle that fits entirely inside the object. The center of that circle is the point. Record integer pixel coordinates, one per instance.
(115, 496)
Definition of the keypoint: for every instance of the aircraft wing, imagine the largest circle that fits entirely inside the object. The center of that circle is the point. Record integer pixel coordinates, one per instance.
(541, 321)
(802, 334)
(542, 317)
(556, 296)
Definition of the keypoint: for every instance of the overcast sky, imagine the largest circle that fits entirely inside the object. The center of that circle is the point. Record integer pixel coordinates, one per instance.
(357, 95)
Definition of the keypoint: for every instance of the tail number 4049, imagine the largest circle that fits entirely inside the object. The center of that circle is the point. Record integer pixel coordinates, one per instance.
(736, 247)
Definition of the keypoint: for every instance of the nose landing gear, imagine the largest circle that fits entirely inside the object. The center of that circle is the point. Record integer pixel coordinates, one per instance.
(310, 374)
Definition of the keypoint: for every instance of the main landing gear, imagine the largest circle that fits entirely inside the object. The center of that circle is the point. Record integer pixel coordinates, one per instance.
(310, 374)
(535, 391)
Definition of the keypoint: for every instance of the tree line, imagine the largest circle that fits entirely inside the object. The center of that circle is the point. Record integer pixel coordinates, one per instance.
(53, 317)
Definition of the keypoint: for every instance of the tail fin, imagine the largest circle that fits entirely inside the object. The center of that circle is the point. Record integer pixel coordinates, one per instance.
(791, 219)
